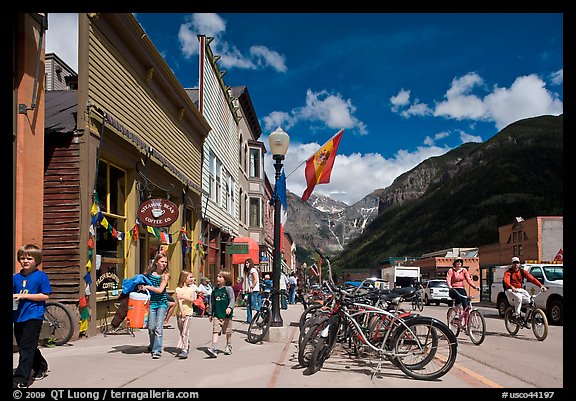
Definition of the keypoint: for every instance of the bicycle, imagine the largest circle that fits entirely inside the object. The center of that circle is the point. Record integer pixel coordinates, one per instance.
(469, 321)
(260, 323)
(417, 303)
(423, 348)
(533, 316)
(58, 323)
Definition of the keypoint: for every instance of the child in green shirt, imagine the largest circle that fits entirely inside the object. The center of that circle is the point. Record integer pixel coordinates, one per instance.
(222, 301)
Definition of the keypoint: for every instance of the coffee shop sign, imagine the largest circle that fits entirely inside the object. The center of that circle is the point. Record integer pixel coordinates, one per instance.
(157, 212)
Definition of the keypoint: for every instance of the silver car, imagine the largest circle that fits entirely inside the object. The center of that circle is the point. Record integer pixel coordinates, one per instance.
(436, 292)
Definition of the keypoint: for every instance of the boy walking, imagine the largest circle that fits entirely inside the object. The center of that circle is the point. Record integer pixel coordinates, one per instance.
(30, 291)
(222, 301)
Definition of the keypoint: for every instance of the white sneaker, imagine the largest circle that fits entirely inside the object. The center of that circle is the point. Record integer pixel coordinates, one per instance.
(212, 352)
(228, 349)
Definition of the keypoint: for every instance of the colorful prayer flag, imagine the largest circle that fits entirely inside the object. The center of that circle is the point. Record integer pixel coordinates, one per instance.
(319, 166)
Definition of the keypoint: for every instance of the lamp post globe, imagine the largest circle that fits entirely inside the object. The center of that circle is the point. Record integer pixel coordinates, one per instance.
(278, 141)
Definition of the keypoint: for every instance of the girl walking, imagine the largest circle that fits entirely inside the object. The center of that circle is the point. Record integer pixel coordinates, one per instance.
(185, 295)
(158, 275)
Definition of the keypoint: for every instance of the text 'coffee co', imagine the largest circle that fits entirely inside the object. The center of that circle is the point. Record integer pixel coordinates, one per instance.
(157, 212)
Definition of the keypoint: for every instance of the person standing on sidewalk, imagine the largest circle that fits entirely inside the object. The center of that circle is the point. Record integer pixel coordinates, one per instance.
(253, 288)
(284, 284)
(30, 291)
(293, 281)
(158, 275)
(185, 294)
(221, 313)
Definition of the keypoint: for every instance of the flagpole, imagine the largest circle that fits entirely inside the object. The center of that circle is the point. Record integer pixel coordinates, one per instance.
(305, 160)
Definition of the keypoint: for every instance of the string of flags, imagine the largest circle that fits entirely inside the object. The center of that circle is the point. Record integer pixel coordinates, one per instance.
(97, 218)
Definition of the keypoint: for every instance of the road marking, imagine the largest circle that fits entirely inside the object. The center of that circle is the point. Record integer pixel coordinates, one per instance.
(280, 362)
(477, 376)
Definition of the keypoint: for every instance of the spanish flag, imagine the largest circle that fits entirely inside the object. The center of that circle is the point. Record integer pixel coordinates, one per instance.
(319, 166)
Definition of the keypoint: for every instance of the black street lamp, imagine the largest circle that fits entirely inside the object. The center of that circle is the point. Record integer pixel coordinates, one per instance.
(279, 141)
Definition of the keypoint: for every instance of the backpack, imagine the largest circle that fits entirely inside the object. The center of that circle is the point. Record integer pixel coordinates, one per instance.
(523, 278)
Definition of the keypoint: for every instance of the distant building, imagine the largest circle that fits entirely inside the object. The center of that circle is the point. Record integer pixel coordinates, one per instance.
(59, 75)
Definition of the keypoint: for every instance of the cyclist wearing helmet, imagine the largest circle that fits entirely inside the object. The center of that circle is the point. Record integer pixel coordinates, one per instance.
(455, 278)
(513, 279)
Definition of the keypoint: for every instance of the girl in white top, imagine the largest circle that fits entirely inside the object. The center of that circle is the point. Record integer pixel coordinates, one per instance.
(253, 289)
(186, 293)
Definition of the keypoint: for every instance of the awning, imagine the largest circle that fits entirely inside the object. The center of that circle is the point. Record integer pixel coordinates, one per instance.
(253, 251)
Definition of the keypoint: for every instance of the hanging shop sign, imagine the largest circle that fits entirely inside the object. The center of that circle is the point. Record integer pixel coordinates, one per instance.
(157, 212)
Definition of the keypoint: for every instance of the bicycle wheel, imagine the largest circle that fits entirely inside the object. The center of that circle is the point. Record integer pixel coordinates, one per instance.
(452, 322)
(324, 346)
(308, 313)
(425, 348)
(59, 321)
(259, 326)
(420, 304)
(511, 325)
(476, 327)
(539, 324)
(306, 346)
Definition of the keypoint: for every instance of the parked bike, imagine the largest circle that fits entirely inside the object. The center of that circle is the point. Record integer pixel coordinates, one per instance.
(532, 317)
(58, 323)
(260, 324)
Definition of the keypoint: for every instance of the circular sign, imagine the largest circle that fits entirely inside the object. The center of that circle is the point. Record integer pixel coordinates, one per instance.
(157, 212)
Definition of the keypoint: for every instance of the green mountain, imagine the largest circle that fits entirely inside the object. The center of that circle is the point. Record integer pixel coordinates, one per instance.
(461, 198)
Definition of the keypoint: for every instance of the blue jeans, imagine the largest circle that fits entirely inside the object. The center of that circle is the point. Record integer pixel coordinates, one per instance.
(155, 327)
(292, 296)
(253, 305)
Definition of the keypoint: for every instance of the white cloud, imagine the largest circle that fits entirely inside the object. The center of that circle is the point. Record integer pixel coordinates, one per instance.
(459, 104)
(353, 176)
(401, 99)
(557, 77)
(62, 37)
(526, 97)
(267, 57)
(416, 109)
(212, 25)
(330, 109)
(464, 137)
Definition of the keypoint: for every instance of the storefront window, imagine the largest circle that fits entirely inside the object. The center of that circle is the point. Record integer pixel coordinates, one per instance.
(110, 263)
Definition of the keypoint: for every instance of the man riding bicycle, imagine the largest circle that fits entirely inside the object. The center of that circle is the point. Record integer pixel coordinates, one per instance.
(513, 278)
(455, 278)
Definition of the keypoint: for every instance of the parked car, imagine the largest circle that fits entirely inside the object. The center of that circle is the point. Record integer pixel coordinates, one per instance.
(436, 292)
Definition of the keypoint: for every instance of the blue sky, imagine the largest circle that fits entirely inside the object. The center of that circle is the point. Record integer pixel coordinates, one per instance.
(404, 87)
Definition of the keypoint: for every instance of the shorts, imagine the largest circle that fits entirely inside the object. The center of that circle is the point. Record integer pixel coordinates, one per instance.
(221, 326)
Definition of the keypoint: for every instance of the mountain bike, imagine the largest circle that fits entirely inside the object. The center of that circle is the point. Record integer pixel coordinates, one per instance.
(423, 348)
(533, 317)
(260, 323)
(58, 323)
(469, 321)
(417, 302)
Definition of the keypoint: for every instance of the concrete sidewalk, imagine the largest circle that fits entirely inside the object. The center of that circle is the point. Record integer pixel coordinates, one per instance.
(121, 361)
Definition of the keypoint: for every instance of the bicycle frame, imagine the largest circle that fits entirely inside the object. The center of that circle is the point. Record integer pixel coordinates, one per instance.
(350, 319)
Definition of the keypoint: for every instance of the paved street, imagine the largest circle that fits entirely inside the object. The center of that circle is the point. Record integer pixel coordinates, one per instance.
(121, 362)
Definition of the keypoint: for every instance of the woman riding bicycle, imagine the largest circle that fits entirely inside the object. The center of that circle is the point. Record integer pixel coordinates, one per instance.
(455, 278)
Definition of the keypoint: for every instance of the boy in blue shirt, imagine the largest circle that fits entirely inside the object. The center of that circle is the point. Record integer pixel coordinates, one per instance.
(31, 289)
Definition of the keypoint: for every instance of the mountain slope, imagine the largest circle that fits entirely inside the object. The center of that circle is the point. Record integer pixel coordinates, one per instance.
(461, 198)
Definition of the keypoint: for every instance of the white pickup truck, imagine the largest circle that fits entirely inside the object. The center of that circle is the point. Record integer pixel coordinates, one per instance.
(551, 275)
